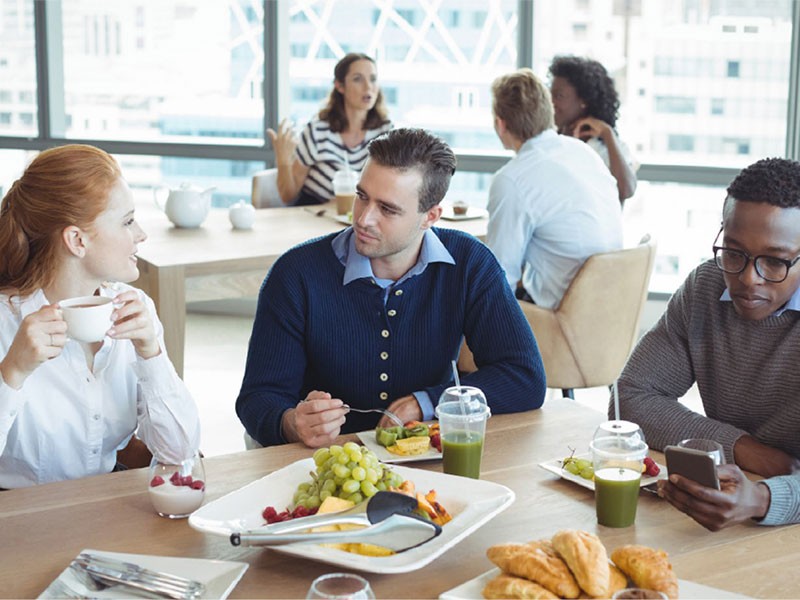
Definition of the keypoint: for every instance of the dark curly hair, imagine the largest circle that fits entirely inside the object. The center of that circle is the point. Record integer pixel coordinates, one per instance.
(592, 83)
(773, 181)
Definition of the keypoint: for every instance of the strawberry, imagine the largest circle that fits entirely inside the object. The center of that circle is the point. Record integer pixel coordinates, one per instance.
(651, 469)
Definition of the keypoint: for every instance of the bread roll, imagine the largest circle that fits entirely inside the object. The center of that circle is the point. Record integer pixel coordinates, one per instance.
(647, 568)
(586, 557)
(538, 562)
(508, 586)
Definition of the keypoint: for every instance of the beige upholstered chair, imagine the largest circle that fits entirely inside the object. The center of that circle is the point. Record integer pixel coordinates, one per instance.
(265, 189)
(586, 340)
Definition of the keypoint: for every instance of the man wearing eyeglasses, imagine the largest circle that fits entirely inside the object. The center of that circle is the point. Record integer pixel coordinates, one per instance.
(734, 329)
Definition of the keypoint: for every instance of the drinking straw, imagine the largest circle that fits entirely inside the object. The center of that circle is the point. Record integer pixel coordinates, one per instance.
(616, 401)
(461, 400)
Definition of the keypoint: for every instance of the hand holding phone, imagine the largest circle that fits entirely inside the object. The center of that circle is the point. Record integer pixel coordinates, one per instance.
(696, 465)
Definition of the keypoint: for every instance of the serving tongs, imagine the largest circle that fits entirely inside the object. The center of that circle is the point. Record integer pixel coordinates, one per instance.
(387, 519)
(110, 572)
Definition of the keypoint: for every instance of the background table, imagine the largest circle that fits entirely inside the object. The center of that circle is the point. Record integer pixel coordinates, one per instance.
(43, 528)
(215, 261)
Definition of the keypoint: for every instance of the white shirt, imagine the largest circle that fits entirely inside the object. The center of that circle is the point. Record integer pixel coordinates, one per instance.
(598, 145)
(551, 207)
(68, 422)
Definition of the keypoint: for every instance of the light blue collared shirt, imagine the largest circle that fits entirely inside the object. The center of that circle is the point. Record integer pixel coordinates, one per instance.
(358, 266)
(792, 304)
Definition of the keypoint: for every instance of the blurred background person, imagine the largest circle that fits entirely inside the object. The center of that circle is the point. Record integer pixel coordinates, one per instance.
(354, 115)
(554, 204)
(67, 229)
(587, 106)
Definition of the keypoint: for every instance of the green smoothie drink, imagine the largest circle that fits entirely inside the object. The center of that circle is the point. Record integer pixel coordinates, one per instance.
(462, 413)
(616, 492)
(461, 453)
(617, 460)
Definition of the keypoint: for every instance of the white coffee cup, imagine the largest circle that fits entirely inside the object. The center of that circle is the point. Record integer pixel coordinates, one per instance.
(88, 317)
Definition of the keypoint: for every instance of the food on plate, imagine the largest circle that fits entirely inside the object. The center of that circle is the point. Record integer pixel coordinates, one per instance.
(351, 472)
(650, 468)
(582, 556)
(414, 438)
(333, 504)
(647, 568)
(578, 466)
(508, 586)
(538, 562)
(460, 208)
(429, 507)
(586, 557)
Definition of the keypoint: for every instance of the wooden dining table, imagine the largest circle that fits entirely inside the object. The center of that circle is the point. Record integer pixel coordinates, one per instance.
(42, 528)
(216, 261)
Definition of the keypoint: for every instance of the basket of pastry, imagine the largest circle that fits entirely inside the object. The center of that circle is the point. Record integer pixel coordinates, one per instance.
(575, 564)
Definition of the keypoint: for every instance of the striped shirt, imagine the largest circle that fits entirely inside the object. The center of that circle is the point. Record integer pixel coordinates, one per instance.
(324, 152)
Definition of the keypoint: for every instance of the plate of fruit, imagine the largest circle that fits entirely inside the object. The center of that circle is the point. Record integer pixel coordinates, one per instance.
(460, 505)
(414, 441)
(577, 468)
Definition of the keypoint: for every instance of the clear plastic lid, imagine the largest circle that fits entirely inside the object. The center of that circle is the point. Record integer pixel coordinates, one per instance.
(464, 401)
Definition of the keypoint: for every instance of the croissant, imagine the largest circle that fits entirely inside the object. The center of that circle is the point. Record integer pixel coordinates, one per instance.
(538, 562)
(647, 568)
(586, 557)
(508, 586)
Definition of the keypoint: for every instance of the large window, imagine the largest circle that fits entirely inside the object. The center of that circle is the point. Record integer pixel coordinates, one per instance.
(18, 106)
(160, 70)
(436, 60)
(691, 75)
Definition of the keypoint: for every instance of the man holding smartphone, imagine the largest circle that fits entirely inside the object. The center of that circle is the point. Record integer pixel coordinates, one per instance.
(733, 328)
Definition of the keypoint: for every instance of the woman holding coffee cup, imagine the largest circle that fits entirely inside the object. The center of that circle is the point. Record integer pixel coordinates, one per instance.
(354, 114)
(67, 228)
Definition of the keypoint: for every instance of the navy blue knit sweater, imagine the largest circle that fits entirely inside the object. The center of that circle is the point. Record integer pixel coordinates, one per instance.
(313, 333)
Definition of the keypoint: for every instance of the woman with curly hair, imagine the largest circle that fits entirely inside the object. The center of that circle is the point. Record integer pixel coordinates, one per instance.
(354, 115)
(586, 106)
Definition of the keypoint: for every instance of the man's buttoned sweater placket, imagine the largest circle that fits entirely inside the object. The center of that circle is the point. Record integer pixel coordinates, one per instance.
(389, 314)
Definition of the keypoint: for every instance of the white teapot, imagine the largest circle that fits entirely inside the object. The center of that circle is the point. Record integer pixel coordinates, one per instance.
(186, 206)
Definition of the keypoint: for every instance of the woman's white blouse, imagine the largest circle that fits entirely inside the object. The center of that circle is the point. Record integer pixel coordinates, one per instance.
(68, 422)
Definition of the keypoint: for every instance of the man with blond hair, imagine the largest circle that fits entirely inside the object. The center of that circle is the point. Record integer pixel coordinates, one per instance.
(552, 205)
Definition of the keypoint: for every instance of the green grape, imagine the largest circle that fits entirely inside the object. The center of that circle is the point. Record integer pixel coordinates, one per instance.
(356, 498)
(572, 467)
(371, 475)
(335, 450)
(359, 473)
(587, 472)
(324, 494)
(343, 458)
(381, 485)
(341, 471)
(368, 489)
(349, 447)
(321, 455)
(350, 486)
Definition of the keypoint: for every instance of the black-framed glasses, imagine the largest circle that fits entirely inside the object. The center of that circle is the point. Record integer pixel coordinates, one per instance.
(769, 268)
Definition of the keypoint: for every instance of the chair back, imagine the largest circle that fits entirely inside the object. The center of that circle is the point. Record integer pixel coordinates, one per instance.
(587, 339)
(265, 189)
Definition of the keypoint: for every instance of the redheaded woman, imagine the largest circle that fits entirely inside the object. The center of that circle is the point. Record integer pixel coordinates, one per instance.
(67, 229)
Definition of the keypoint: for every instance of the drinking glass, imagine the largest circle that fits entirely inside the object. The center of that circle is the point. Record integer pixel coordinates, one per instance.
(344, 586)
(462, 414)
(617, 463)
(710, 447)
(177, 490)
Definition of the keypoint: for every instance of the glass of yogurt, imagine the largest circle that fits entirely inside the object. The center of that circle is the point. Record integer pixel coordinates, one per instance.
(177, 490)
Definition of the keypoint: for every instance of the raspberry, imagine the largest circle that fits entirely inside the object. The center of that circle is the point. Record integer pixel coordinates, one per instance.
(186, 480)
(175, 479)
(156, 481)
(651, 469)
(269, 514)
(197, 484)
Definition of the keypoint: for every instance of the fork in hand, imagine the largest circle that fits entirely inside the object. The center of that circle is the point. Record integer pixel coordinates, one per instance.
(388, 413)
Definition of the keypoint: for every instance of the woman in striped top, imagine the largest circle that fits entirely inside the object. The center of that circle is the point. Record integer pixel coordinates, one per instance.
(354, 115)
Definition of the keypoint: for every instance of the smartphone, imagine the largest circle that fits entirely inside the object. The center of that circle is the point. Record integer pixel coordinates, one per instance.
(692, 464)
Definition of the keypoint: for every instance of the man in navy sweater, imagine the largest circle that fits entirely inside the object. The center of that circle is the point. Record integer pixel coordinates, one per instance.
(373, 316)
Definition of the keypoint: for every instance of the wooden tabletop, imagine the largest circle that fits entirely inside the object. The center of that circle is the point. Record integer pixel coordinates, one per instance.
(43, 528)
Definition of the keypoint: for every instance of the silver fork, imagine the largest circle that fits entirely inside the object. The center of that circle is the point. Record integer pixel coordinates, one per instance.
(388, 413)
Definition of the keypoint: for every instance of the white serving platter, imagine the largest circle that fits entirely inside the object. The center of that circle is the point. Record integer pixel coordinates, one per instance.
(472, 502)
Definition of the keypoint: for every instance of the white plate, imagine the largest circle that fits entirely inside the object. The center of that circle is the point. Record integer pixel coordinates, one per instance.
(472, 502)
(343, 219)
(219, 576)
(473, 212)
(474, 587)
(368, 439)
(554, 466)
